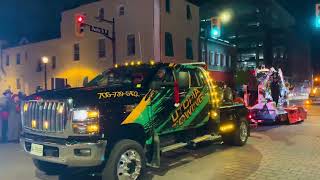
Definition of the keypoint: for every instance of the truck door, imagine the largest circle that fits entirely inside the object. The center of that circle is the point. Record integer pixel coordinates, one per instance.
(194, 107)
(162, 104)
(191, 111)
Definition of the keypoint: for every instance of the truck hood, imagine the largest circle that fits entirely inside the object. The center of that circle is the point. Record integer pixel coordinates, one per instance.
(89, 96)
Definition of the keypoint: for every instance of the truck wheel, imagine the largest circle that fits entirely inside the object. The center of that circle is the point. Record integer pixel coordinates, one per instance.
(240, 136)
(126, 161)
(48, 168)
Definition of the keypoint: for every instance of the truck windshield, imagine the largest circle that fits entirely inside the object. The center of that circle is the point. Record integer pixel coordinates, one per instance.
(129, 76)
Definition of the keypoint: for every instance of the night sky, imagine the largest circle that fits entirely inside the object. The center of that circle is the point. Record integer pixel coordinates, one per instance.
(40, 19)
(35, 19)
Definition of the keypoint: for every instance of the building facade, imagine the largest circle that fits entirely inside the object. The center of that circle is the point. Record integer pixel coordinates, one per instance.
(158, 30)
(259, 29)
(220, 57)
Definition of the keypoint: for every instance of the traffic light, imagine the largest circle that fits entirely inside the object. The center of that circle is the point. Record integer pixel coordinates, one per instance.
(215, 30)
(317, 16)
(79, 25)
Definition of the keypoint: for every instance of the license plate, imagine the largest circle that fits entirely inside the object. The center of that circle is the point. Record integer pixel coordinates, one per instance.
(36, 149)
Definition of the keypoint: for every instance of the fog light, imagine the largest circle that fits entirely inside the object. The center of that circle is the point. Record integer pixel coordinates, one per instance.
(82, 152)
(227, 128)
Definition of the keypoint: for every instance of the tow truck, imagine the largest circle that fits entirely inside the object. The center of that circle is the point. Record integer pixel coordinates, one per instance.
(314, 96)
(127, 117)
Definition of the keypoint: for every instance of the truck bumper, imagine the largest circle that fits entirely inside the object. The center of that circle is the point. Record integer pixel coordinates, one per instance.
(80, 154)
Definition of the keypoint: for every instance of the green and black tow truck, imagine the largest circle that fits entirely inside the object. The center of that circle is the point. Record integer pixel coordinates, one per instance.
(125, 118)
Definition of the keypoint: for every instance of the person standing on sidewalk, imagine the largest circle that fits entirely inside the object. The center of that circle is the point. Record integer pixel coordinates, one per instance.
(4, 115)
(14, 120)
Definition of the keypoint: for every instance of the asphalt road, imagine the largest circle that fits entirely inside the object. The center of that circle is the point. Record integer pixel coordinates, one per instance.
(272, 152)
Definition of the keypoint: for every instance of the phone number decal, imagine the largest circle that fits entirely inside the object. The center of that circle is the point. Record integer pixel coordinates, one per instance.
(107, 95)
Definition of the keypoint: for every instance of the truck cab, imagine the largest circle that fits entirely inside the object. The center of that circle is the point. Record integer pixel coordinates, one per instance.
(126, 117)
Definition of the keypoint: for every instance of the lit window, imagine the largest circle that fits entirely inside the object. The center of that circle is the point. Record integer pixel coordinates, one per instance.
(76, 52)
(169, 45)
(7, 60)
(101, 48)
(18, 60)
(168, 6)
(189, 15)
(121, 10)
(131, 43)
(54, 62)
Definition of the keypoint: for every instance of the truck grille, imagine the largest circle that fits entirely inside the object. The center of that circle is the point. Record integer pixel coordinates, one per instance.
(45, 116)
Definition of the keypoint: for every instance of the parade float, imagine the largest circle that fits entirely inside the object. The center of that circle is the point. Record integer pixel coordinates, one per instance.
(265, 110)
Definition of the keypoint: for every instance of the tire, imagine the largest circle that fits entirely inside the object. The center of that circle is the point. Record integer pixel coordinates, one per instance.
(48, 168)
(121, 151)
(240, 136)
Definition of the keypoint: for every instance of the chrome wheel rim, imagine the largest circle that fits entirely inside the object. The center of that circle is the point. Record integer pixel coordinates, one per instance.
(129, 165)
(243, 131)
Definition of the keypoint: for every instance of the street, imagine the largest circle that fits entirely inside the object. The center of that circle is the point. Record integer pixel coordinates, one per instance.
(272, 152)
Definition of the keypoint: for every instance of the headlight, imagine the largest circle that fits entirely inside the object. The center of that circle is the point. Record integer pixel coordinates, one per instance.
(85, 121)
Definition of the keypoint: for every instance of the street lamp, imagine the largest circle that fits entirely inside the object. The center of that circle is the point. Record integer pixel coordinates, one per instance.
(45, 61)
(225, 16)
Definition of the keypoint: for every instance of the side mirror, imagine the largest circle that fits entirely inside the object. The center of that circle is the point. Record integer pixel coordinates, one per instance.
(183, 79)
(85, 81)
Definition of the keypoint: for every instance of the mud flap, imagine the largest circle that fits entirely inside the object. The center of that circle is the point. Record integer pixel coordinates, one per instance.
(155, 160)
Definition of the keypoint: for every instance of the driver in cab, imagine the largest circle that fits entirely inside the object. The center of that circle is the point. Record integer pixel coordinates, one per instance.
(163, 78)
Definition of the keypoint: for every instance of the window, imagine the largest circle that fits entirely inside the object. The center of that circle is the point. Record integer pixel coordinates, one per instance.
(216, 59)
(168, 6)
(204, 56)
(196, 81)
(18, 83)
(54, 62)
(121, 10)
(189, 49)
(39, 66)
(101, 13)
(26, 56)
(131, 44)
(229, 61)
(168, 45)
(7, 60)
(101, 48)
(223, 60)
(211, 58)
(189, 15)
(18, 60)
(76, 52)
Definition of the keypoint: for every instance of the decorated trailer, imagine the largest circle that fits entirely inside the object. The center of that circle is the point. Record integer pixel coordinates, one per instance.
(272, 104)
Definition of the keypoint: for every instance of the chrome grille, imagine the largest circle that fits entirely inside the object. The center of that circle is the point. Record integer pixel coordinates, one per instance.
(46, 116)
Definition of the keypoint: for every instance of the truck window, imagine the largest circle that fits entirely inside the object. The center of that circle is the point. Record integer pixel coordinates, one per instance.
(196, 81)
(164, 75)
